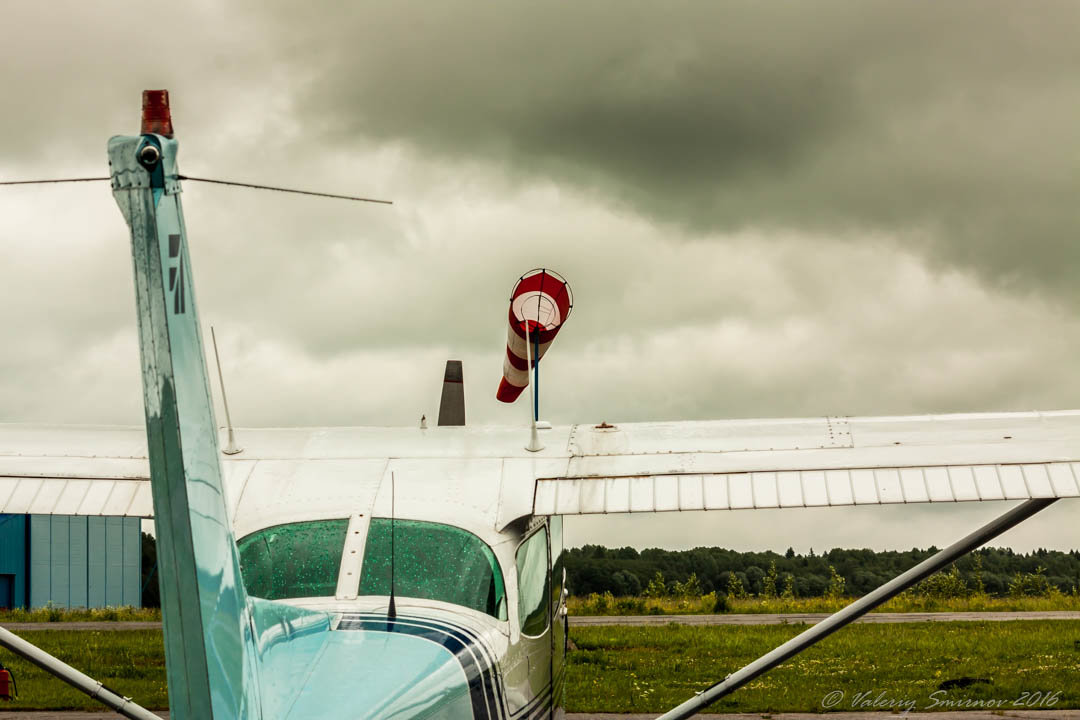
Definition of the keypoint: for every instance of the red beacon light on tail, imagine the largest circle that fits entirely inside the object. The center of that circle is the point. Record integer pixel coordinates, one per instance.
(539, 306)
(156, 116)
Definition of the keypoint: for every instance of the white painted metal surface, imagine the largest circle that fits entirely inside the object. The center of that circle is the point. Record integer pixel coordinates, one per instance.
(876, 486)
(483, 479)
(51, 496)
(352, 557)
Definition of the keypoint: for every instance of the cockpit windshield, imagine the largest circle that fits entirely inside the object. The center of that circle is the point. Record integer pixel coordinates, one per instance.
(293, 561)
(432, 561)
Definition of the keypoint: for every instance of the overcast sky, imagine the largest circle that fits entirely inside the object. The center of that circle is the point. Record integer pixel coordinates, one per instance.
(764, 209)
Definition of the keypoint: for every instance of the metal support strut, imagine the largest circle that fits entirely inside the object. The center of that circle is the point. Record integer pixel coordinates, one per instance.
(73, 677)
(858, 608)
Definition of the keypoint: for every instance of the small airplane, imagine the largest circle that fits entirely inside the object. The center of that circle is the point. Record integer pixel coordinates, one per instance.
(394, 573)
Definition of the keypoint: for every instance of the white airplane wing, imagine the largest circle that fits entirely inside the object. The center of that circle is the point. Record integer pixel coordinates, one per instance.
(56, 470)
(635, 467)
(728, 465)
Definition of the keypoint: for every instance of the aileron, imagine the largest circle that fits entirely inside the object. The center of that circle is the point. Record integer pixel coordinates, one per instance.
(807, 488)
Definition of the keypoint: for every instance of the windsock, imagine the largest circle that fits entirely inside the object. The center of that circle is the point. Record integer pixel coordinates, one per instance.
(541, 301)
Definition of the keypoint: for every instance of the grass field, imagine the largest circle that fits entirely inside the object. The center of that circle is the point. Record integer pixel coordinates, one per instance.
(131, 663)
(650, 669)
(905, 602)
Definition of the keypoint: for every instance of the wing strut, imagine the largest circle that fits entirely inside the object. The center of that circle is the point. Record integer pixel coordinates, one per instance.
(858, 608)
(73, 677)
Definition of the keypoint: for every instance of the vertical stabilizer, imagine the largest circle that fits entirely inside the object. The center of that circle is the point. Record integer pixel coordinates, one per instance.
(452, 405)
(204, 607)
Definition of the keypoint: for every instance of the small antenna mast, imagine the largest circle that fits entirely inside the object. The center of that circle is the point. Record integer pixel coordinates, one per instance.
(391, 611)
(231, 448)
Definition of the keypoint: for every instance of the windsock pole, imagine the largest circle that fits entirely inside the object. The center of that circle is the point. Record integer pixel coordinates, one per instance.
(534, 437)
(536, 353)
(536, 380)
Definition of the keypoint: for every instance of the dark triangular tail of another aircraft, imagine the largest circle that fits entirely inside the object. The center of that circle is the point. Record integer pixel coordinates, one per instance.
(452, 405)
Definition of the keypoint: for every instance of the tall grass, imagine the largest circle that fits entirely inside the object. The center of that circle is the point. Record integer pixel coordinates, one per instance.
(651, 669)
(55, 614)
(129, 662)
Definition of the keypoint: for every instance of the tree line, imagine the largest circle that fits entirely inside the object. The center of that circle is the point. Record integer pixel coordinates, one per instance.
(625, 571)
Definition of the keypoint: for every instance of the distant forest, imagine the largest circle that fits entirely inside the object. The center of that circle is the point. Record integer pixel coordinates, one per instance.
(625, 571)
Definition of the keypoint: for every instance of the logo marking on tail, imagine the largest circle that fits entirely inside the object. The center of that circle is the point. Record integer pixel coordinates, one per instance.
(176, 276)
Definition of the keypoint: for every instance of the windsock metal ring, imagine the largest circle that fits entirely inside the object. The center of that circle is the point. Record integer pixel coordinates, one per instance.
(542, 301)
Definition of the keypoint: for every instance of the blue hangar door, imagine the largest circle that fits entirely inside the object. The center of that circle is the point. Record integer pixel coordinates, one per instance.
(7, 592)
(13, 561)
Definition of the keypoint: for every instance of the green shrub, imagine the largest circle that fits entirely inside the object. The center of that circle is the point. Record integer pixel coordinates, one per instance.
(630, 606)
(836, 584)
(768, 585)
(980, 588)
(597, 604)
(690, 588)
(656, 588)
(735, 587)
(1030, 584)
(788, 593)
(944, 585)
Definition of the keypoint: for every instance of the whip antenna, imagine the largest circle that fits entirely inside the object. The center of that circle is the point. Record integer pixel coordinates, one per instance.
(391, 611)
(285, 190)
(253, 186)
(231, 448)
(46, 182)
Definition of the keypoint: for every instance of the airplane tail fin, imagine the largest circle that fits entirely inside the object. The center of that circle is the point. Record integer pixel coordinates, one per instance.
(209, 644)
(225, 652)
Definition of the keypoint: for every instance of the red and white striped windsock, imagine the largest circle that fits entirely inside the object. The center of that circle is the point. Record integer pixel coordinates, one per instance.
(541, 300)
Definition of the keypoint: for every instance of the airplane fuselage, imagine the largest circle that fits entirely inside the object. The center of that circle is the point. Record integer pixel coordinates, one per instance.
(485, 656)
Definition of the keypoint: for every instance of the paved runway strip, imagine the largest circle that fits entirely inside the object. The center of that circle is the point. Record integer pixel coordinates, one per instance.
(968, 715)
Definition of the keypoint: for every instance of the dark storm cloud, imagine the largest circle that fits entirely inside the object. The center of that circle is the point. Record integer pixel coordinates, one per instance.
(72, 74)
(951, 126)
(700, 171)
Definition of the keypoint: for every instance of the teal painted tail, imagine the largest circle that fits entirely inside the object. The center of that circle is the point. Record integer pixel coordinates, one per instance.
(209, 644)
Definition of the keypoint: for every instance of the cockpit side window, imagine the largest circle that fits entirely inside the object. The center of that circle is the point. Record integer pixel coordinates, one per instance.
(293, 561)
(433, 561)
(533, 584)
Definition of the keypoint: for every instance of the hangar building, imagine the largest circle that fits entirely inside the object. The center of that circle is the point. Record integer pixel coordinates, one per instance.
(69, 561)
